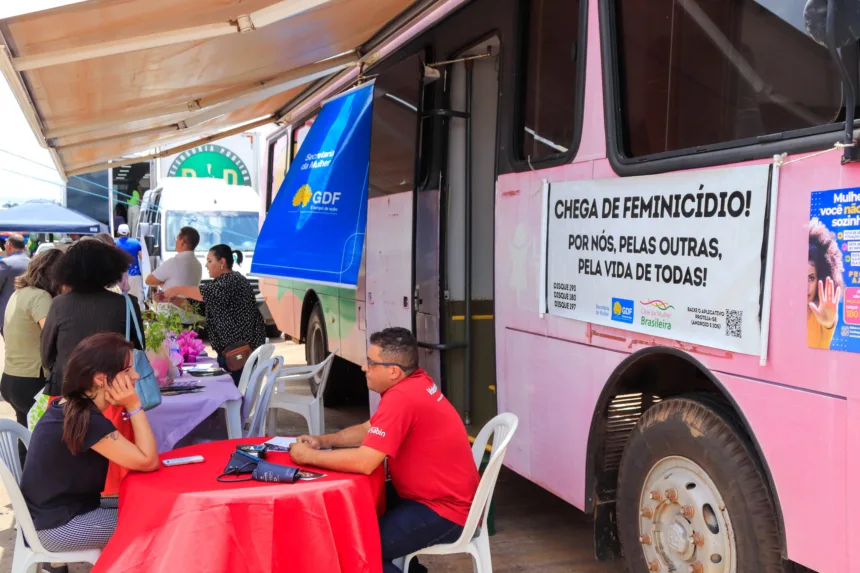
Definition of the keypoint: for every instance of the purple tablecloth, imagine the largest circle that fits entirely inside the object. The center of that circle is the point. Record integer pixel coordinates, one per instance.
(176, 416)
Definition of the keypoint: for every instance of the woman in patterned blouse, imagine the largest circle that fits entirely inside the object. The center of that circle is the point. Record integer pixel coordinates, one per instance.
(231, 308)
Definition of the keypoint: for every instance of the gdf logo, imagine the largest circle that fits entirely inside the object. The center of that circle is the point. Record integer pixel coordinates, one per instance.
(305, 195)
(622, 310)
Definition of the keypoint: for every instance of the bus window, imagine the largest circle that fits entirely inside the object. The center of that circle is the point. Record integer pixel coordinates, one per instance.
(299, 133)
(395, 124)
(548, 120)
(696, 73)
(278, 162)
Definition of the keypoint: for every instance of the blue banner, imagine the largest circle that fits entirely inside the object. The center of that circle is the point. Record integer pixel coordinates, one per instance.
(314, 230)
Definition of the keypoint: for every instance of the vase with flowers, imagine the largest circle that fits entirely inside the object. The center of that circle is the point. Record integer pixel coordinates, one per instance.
(161, 333)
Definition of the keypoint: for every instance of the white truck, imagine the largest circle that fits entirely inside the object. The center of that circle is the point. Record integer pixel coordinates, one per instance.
(221, 213)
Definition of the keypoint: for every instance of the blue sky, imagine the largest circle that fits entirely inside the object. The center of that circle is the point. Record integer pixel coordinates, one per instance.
(16, 136)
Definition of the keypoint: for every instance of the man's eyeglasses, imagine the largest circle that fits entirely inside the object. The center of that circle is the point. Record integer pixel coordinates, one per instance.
(371, 362)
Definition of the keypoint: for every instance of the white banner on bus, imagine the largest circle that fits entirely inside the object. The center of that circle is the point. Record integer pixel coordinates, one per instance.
(676, 255)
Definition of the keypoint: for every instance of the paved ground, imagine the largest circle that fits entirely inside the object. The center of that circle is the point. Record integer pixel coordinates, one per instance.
(535, 531)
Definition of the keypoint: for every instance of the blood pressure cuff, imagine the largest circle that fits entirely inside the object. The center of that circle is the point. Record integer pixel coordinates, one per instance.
(267, 471)
(239, 464)
(260, 470)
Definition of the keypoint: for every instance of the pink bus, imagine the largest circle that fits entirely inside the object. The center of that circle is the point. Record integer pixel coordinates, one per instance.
(592, 215)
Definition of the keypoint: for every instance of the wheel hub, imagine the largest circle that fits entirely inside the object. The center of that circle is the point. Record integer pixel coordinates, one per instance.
(684, 525)
(678, 537)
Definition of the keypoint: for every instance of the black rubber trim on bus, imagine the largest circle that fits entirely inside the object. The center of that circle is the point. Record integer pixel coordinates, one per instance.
(595, 437)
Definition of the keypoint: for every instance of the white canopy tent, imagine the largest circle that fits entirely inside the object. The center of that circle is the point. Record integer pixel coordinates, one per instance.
(104, 80)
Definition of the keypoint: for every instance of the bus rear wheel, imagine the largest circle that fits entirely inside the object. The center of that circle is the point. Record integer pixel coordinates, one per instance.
(345, 380)
(692, 496)
(316, 341)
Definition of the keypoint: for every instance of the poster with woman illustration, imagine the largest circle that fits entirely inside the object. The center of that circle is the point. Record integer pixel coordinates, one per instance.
(833, 271)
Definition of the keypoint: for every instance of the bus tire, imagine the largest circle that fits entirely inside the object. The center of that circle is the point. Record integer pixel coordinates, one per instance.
(685, 460)
(316, 341)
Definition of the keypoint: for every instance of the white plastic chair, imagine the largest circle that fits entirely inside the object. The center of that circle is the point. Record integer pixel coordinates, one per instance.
(474, 539)
(259, 394)
(310, 407)
(10, 432)
(26, 559)
(260, 355)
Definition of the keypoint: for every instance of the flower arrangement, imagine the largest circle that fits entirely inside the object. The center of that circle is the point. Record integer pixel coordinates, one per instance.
(160, 325)
(190, 346)
(164, 333)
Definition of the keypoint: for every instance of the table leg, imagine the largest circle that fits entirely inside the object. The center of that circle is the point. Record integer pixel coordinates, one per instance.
(234, 419)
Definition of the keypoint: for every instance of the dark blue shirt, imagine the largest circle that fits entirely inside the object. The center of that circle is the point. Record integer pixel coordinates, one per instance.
(57, 485)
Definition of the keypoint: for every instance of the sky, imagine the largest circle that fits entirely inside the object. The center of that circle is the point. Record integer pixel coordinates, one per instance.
(31, 175)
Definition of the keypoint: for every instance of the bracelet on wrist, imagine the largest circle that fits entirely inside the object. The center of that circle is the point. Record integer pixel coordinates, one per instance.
(128, 415)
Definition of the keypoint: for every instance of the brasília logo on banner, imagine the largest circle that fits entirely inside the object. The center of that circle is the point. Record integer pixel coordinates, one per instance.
(314, 230)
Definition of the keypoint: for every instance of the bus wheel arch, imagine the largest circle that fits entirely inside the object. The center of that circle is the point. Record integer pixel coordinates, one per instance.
(641, 380)
(311, 299)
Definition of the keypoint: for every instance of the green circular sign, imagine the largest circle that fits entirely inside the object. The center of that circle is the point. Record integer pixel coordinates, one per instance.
(211, 161)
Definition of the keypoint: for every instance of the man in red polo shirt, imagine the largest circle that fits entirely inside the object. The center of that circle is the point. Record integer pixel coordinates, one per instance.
(433, 474)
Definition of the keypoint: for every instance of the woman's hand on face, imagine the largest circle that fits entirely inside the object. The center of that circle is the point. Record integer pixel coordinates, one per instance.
(828, 303)
(121, 392)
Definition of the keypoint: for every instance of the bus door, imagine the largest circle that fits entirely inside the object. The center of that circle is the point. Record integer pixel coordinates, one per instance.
(391, 196)
(463, 326)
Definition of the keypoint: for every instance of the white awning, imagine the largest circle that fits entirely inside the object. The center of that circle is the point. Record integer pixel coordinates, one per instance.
(106, 79)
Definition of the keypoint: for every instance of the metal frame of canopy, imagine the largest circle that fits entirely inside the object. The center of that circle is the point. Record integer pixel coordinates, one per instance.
(108, 82)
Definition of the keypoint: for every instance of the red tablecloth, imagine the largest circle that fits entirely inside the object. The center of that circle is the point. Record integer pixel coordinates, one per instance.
(181, 519)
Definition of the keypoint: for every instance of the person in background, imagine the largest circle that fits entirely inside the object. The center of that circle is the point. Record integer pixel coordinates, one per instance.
(122, 286)
(33, 243)
(86, 268)
(87, 308)
(119, 216)
(26, 312)
(231, 311)
(133, 211)
(183, 269)
(2, 247)
(73, 443)
(12, 266)
(133, 248)
(433, 474)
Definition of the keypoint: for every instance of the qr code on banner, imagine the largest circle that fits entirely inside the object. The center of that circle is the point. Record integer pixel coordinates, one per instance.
(734, 323)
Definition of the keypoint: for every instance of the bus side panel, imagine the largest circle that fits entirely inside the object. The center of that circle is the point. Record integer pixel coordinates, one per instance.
(330, 304)
(552, 386)
(803, 439)
(353, 341)
(284, 305)
(853, 469)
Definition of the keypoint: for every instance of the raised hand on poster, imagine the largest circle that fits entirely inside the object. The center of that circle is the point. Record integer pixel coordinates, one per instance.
(828, 303)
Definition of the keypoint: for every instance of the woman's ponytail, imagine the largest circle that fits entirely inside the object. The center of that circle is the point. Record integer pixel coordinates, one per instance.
(224, 253)
(77, 421)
